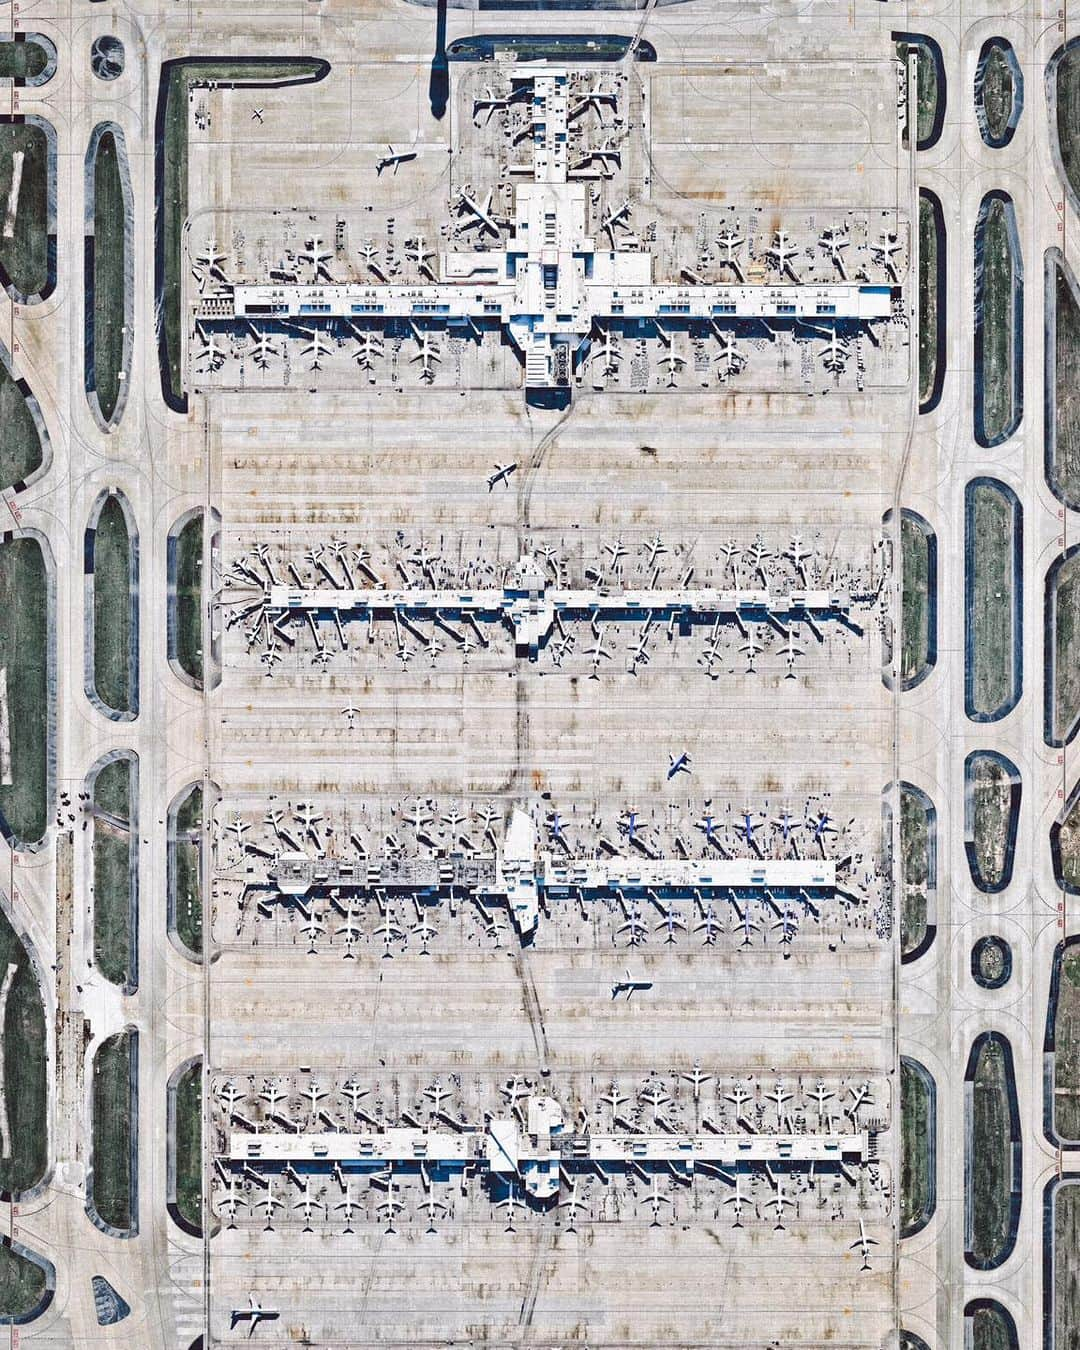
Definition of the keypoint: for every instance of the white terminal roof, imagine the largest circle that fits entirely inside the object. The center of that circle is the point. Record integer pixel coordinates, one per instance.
(549, 282)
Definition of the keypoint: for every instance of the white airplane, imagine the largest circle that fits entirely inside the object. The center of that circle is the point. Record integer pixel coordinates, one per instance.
(628, 985)
(317, 346)
(751, 649)
(654, 1094)
(679, 764)
(391, 1206)
(483, 217)
(501, 475)
(253, 1314)
(655, 547)
(433, 1207)
(493, 102)
(208, 264)
(212, 355)
(729, 241)
(790, 653)
(348, 1203)
(882, 252)
(263, 348)
(308, 1204)
(418, 816)
(780, 1200)
(608, 355)
(732, 552)
(350, 929)
(779, 1096)
(228, 1203)
(350, 713)
(269, 1202)
(798, 554)
(368, 251)
(639, 651)
(573, 1203)
(389, 931)
(272, 1093)
(229, 1094)
(313, 254)
(392, 159)
(424, 932)
(656, 1199)
(369, 347)
(862, 1095)
(835, 356)
(353, 1091)
(834, 242)
(428, 352)
(312, 929)
(668, 924)
(438, 1094)
(608, 156)
(730, 358)
(863, 1243)
(697, 1077)
(516, 1089)
(596, 98)
(748, 924)
(314, 1094)
(820, 1096)
(759, 555)
(781, 252)
(738, 1096)
(674, 363)
(738, 1200)
(710, 925)
(417, 253)
(619, 216)
(613, 1096)
(596, 653)
(509, 1201)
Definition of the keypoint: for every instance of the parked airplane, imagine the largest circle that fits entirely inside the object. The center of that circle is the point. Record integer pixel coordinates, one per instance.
(656, 1199)
(317, 257)
(729, 241)
(483, 216)
(428, 352)
(263, 348)
(369, 347)
(834, 242)
(781, 252)
(596, 98)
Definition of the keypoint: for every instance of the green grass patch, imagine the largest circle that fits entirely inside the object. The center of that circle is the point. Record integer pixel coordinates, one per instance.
(1067, 647)
(189, 565)
(992, 800)
(181, 78)
(22, 60)
(24, 640)
(109, 284)
(1066, 463)
(1067, 1050)
(112, 1125)
(22, 1283)
(996, 295)
(113, 675)
(989, 1330)
(915, 641)
(1068, 115)
(916, 1183)
(25, 256)
(928, 298)
(926, 75)
(24, 1068)
(997, 93)
(20, 444)
(188, 1138)
(992, 599)
(189, 913)
(113, 843)
(991, 1156)
(1067, 1267)
(915, 869)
